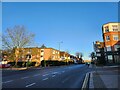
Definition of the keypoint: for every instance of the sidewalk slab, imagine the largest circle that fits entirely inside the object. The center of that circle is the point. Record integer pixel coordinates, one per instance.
(103, 78)
(96, 81)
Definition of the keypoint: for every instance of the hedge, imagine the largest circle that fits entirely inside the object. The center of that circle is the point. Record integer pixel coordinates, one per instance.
(54, 63)
(22, 64)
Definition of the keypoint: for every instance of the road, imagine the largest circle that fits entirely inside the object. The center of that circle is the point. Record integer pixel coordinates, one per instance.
(71, 76)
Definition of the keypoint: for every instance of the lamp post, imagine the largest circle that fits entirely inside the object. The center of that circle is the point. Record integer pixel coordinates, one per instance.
(59, 44)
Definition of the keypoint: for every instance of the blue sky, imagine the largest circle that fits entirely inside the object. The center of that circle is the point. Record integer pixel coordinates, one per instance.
(77, 25)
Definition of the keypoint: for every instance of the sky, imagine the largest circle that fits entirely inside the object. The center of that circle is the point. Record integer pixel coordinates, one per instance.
(76, 24)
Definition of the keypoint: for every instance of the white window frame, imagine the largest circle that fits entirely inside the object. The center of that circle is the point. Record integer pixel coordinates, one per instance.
(98, 54)
(116, 47)
(115, 28)
(106, 29)
(107, 38)
(115, 37)
(110, 57)
(53, 51)
(108, 48)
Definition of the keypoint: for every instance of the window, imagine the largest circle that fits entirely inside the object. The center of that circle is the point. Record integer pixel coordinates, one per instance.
(115, 37)
(41, 58)
(115, 27)
(106, 29)
(116, 47)
(110, 57)
(42, 50)
(53, 51)
(97, 50)
(98, 54)
(108, 48)
(107, 38)
(104, 49)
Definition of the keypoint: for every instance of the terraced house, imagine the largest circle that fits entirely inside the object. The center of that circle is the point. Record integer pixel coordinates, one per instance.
(111, 37)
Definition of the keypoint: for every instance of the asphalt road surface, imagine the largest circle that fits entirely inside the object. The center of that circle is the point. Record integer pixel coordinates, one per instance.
(70, 76)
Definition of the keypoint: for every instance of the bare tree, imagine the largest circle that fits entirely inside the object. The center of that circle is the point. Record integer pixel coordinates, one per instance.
(79, 54)
(16, 37)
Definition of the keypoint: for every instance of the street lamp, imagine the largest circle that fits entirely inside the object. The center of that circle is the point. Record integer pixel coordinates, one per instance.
(59, 44)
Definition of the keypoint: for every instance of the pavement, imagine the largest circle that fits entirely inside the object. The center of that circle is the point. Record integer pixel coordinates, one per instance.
(104, 78)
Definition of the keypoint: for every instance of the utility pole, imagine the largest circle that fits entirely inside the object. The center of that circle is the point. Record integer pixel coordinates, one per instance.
(59, 44)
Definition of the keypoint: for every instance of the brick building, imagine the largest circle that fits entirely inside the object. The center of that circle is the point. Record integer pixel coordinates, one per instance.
(111, 37)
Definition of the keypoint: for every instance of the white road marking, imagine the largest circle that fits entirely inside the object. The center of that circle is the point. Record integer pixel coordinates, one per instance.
(53, 75)
(65, 80)
(63, 71)
(45, 79)
(30, 85)
(24, 77)
(8, 81)
(54, 72)
(36, 75)
(45, 74)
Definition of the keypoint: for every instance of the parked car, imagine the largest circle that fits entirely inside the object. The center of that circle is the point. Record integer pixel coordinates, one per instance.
(4, 65)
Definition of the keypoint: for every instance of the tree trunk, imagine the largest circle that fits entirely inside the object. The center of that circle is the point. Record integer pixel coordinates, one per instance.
(16, 62)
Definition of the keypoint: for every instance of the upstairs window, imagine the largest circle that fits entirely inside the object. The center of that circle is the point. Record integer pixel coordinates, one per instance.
(115, 28)
(42, 50)
(115, 37)
(106, 29)
(107, 38)
(53, 51)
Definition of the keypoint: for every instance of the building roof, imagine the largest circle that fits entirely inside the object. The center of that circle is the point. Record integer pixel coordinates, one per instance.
(110, 22)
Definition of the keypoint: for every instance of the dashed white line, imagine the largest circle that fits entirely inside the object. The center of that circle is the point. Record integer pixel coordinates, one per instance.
(53, 75)
(65, 80)
(24, 77)
(36, 75)
(45, 74)
(8, 81)
(45, 79)
(54, 72)
(63, 71)
(30, 85)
